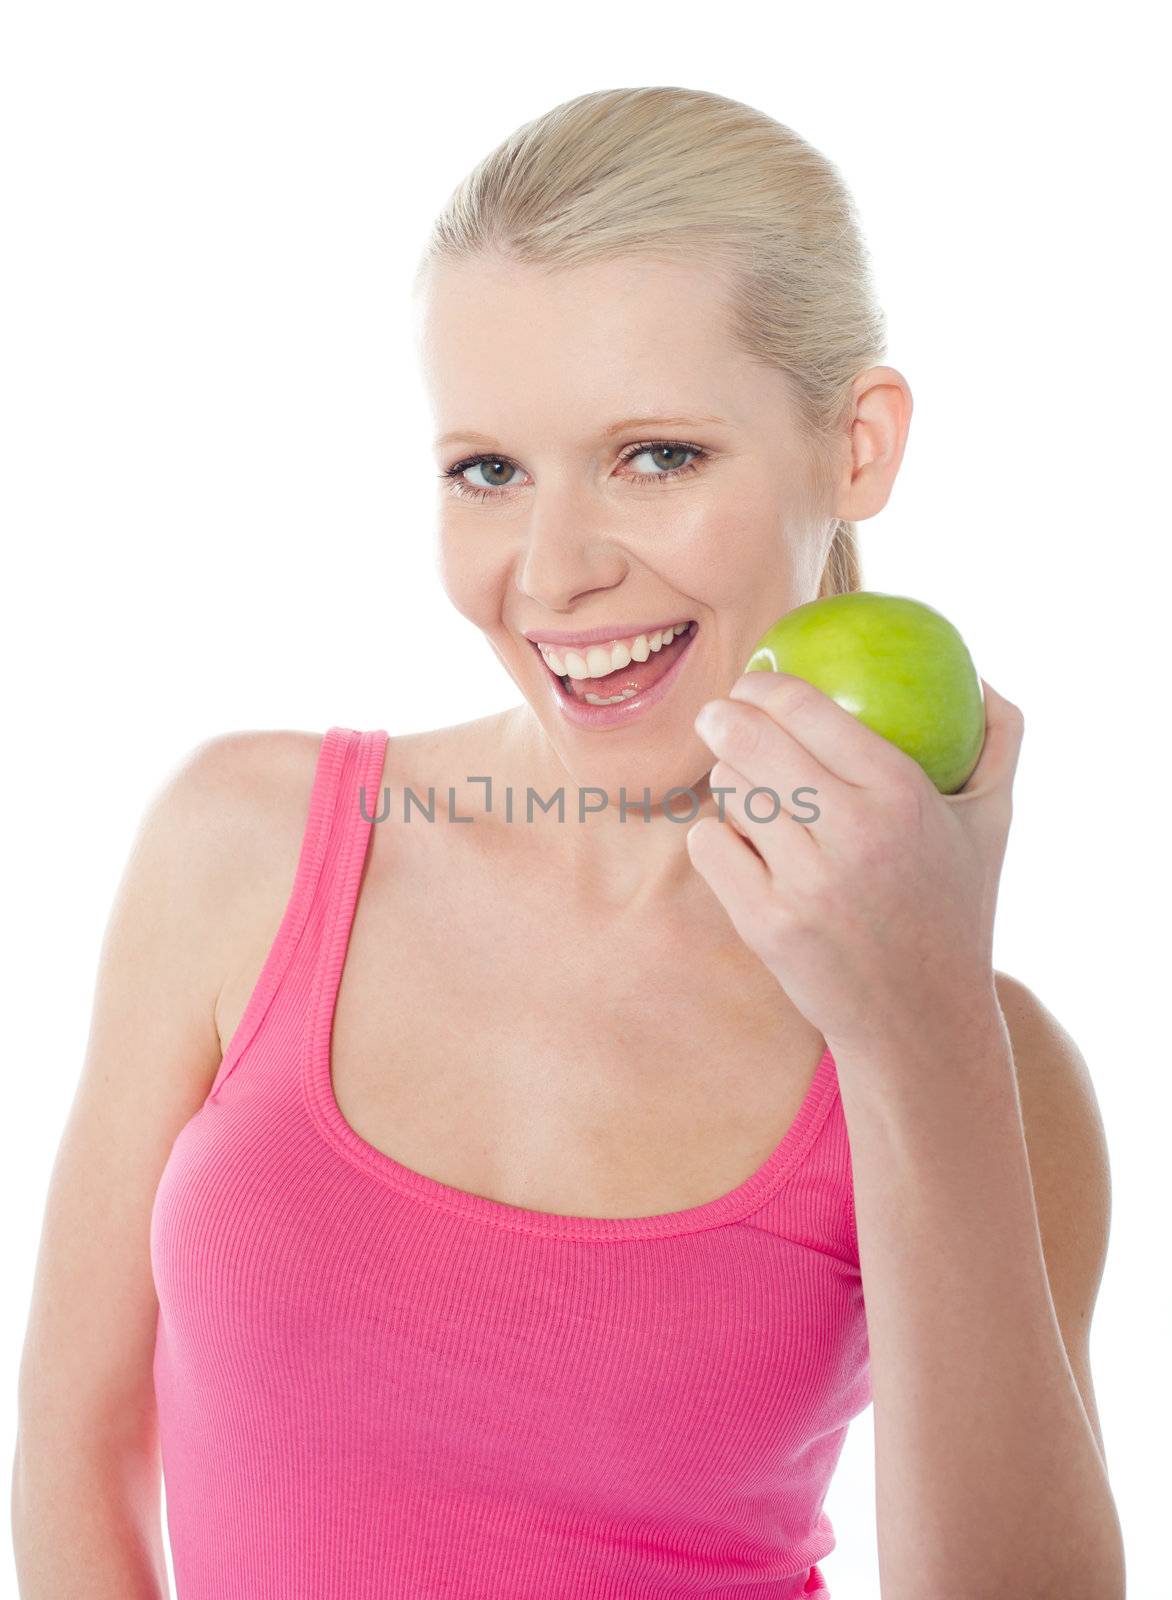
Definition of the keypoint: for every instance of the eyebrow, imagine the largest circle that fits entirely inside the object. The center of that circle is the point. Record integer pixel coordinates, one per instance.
(607, 433)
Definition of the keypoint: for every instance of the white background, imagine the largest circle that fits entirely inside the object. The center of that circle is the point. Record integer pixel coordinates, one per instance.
(218, 501)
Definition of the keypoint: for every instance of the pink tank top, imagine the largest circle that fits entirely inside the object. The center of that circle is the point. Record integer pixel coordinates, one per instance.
(372, 1386)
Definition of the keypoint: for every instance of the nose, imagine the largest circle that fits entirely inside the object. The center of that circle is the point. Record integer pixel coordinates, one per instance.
(567, 552)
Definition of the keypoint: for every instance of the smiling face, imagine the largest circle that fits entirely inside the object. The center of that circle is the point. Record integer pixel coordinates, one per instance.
(577, 520)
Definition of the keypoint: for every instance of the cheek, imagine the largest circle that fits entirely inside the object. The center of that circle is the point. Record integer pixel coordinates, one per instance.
(474, 578)
(744, 557)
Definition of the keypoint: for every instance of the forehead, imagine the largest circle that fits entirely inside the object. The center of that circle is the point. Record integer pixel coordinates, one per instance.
(507, 344)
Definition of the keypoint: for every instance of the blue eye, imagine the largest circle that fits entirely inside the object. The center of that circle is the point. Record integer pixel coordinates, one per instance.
(455, 480)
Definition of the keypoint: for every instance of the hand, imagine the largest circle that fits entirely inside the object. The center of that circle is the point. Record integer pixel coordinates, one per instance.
(878, 913)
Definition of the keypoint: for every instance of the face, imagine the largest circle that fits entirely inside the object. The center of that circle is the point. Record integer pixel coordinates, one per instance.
(562, 519)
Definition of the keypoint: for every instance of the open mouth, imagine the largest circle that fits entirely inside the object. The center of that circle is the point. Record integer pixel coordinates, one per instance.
(591, 677)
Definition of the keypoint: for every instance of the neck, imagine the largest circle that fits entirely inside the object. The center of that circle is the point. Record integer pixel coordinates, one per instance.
(609, 863)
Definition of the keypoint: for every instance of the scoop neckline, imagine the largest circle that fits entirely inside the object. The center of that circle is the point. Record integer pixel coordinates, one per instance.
(317, 1082)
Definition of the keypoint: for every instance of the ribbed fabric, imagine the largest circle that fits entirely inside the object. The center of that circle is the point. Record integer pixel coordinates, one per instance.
(372, 1386)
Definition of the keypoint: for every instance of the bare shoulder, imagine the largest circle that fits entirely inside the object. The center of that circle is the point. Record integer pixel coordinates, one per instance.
(236, 800)
(1069, 1167)
(1051, 1069)
(236, 808)
(245, 796)
(229, 781)
(1060, 1110)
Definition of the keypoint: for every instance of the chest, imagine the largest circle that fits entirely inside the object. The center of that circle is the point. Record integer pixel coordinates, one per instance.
(615, 1067)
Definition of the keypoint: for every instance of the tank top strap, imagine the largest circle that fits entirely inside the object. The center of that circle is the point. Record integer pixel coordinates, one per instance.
(356, 810)
(347, 761)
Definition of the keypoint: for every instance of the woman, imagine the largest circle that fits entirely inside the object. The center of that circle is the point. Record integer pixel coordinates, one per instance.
(510, 1236)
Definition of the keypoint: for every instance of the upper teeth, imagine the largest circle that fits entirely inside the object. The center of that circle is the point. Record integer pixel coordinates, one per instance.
(598, 660)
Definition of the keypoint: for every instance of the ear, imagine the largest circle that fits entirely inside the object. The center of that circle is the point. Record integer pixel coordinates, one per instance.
(877, 430)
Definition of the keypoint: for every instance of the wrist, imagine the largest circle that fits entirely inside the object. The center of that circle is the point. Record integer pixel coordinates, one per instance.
(966, 1024)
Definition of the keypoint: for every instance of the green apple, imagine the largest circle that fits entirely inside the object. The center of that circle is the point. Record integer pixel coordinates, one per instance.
(896, 664)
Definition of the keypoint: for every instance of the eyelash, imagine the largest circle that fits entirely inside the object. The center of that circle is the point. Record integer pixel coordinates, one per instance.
(470, 491)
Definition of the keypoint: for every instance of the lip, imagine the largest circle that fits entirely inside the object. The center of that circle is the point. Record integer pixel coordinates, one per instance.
(583, 715)
(604, 635)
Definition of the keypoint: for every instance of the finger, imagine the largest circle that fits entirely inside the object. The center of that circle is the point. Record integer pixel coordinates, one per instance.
(760, 816)
(834, 736)
(766, 755)
(728, 864)
(997, 764)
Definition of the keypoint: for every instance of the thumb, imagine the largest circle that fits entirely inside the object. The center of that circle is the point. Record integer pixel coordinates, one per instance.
(997, 764)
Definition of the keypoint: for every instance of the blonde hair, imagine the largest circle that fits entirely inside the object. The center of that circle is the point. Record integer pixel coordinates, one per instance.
(682, 174)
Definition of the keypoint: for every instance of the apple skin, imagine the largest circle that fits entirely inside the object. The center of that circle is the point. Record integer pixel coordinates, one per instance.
(896, 664)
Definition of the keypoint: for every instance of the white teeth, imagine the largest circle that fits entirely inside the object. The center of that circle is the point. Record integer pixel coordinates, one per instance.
(600, 700)
(598, 660)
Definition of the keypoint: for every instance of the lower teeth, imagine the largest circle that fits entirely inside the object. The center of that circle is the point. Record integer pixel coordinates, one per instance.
(612, 700)
(596, 699)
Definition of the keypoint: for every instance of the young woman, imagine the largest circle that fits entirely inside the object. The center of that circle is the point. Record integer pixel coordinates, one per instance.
(532, 1203)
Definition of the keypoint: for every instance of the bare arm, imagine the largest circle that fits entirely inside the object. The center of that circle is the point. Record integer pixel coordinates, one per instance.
(86, 1481)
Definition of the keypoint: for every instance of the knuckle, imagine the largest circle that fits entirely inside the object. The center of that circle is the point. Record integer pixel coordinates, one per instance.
(790, 693)
(775, 926)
